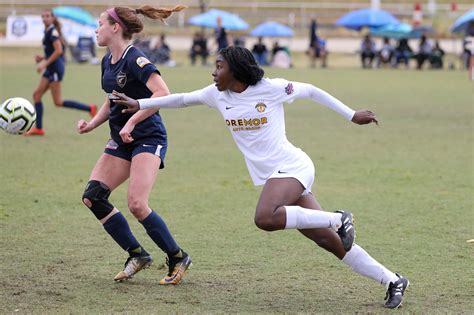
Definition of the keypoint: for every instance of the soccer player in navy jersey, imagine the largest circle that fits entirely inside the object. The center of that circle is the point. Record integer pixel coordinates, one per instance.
(136, 154)
(252, 107)
(52, 66)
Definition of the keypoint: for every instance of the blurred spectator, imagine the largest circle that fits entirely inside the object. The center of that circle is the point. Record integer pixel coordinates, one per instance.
(367, 52)
(143, 44)
(318, 50)
(199, 48)
(436, 57)
(84, 51)
(402, 53)
(239, 41)
(385, 53)
(276, 48)
(280, 56)
(222, 40)
(260, 52)
(313, 36)
(161, 53)
(468, 44)
(424, 52)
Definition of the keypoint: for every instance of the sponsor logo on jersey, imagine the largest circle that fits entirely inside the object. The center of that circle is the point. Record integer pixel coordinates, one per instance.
(244, 124)
(121, 79)
(142, 61)
(55, 33)
(260, 107)
(289, 89)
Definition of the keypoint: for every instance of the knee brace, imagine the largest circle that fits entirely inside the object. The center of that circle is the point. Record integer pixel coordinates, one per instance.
(98, 193)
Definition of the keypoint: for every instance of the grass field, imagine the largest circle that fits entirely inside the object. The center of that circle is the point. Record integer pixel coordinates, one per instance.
(409, 182)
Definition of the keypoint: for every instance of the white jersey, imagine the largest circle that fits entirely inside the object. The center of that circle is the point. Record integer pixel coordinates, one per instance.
(255, 118)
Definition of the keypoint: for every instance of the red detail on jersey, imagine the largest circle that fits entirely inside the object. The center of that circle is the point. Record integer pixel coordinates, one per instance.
(289, 89)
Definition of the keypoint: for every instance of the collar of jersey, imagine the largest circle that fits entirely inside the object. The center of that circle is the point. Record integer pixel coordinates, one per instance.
(123, 54)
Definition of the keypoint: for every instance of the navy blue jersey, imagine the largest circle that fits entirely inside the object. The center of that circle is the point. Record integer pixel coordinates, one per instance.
(130, 75)
(51, 34)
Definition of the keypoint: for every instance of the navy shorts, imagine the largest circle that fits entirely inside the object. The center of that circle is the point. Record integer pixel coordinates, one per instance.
(128, 151)
(54, 74)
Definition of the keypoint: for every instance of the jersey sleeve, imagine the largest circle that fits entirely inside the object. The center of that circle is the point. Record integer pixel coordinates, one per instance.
(141, 67)
(298, 90)
(205, 96)
(286, 91)
(54, 35)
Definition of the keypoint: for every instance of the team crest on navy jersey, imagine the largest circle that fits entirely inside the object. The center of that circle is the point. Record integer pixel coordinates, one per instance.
(289, 89)
(260, 107)
(121, 79)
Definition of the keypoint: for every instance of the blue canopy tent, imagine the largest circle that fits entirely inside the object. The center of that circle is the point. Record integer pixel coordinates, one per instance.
(398, 31)
(75, 14)
(272, 29)
(462, 22)
(208, 19)
(358, 19)
(79, 32)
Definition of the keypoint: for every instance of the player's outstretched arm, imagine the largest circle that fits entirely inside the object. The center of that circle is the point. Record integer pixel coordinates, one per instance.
(177, 100)
(360, 117)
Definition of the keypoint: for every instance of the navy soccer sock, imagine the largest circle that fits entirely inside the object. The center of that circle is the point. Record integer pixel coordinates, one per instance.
(39, 115)
(117, 226)
(158, 231)
(76, 105)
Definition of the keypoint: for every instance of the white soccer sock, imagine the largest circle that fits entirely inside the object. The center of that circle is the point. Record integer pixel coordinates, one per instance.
(301, 218)
(362, 263)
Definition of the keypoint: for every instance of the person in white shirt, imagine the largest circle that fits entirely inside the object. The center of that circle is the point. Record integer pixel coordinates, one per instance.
(252, 107)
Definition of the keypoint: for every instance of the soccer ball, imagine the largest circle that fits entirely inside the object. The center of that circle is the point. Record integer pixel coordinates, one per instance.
(17, 115)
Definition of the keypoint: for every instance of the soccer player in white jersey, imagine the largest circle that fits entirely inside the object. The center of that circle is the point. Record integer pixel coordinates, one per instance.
(252, 107)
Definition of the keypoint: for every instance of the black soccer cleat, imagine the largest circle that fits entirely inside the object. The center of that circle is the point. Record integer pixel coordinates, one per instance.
(346, 231)
(395, 291)
(177, 269)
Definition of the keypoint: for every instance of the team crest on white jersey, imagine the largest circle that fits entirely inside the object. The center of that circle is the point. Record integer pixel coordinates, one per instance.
(121, 79)
(289, 89)
(142, 61)
(260, 107)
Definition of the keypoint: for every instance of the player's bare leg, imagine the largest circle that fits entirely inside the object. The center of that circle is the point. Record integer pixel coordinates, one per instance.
(277, 210)
(326, 238)
(108, 173)
(143, 173)
(358, 259)
(42, 87)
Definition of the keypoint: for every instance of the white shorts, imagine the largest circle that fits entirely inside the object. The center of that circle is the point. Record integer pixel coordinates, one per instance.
(302, 170)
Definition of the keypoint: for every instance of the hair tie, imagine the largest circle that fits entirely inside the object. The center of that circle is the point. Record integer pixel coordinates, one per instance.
(116, 18)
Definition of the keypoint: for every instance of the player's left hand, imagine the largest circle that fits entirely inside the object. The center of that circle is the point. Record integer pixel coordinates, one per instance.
(126, 132)
(363, 117)
(41, 66)
(122, 99)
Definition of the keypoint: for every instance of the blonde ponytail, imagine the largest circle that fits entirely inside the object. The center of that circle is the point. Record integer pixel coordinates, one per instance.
(158, 13)
(131, 21)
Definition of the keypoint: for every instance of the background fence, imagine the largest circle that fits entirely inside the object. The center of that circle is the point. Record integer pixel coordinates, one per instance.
(296, 14)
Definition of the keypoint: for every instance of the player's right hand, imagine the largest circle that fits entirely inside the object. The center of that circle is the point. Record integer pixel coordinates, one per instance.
(38, 58)
(83, 126)
(131, 104)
